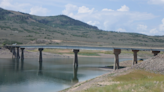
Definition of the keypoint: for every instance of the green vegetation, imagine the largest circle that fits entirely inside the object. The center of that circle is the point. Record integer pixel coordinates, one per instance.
(11, 42)
(137, 81)
(59, 51)
(68, 30)
(85, 53)
(55, 51)
(122, 52)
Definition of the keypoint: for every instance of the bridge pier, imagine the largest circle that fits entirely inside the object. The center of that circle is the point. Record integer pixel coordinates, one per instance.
(155, 52)
(17, 55)
(40, 57)
(135, 56)
(116, 52)
(75, 63)
(22, 53)
(40, 61)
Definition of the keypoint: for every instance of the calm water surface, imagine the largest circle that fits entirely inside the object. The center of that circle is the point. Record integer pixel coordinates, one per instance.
(54, 75)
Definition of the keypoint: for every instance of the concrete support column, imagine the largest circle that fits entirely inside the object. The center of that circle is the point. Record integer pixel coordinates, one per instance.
(75, 63)
(17, 53)
(40, 61)
(40, 55)
(155, 52)
(116, 52)
(22, 53)
(135, 56)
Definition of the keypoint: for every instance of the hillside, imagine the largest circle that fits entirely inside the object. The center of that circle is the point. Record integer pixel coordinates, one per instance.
(22, 28)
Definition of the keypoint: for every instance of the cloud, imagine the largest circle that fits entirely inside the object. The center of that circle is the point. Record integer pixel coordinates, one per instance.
(37, 10)
(69, 9)
(153, 31)
(6, 3)
(157, 30)
(10, 4)
(106, 9)
(156, 1)
(161, 26)
(142, 27)
(121, 30)
(112, 21)
(84, 9)
(123, 8)
(93, 23)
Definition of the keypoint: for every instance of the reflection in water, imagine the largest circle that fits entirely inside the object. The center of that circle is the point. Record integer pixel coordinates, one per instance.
(56, 75)
(40, 69)
(75, 78)
(17, 64)
(22, 64)
(13, 64)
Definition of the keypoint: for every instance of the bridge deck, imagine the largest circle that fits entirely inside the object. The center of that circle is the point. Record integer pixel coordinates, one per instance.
(91, 48)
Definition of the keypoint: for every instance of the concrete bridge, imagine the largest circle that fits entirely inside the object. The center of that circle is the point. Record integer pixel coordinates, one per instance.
(116, 51)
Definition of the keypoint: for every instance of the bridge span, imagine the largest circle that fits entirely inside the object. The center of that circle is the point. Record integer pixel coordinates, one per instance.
(76, 49)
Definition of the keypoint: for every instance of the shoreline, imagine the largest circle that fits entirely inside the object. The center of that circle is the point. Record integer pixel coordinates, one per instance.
(97, 81)
(139, 75)
(5, 53)
(101, 79)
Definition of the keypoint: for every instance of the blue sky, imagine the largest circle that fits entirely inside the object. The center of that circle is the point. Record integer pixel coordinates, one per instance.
(139, 16)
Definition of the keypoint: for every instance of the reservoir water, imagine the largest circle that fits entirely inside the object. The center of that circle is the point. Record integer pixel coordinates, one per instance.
(55, 74)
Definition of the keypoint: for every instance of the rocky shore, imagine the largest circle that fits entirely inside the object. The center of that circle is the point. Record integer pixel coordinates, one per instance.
(154, 64)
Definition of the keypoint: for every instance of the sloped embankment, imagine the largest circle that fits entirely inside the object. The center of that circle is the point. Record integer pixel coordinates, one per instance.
(127, 79)
(154, 64)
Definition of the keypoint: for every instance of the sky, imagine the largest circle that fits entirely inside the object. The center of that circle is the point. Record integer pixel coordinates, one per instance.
(137, 16)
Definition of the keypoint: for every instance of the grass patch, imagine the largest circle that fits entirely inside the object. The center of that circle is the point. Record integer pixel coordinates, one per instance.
(67, 51)
(88, 53)
(137, 81)
(55, 51)
(91, 52)
(122, 52)
(137, 75)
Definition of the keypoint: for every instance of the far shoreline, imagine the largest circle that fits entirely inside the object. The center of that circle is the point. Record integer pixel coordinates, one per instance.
(30, 53)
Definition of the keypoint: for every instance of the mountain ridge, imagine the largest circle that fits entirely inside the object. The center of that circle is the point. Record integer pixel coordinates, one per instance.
(62, 20)
(23, 28)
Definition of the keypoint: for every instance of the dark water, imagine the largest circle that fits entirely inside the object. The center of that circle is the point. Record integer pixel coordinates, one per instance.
(54, 75)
